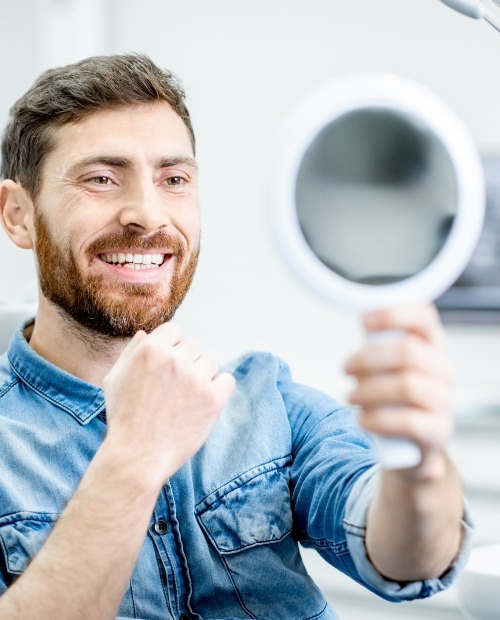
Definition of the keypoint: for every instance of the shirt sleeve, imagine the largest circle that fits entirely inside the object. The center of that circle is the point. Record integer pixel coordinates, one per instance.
(333, 477)
(355, 526)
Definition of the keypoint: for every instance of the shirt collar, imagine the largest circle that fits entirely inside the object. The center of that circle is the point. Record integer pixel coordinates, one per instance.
(80, 399)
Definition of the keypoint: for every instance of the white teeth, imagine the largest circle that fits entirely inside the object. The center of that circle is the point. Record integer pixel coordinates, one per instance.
(134, 261)
(157, 259)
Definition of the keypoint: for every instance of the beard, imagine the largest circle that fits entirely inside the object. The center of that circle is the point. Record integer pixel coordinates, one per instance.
(117, 309)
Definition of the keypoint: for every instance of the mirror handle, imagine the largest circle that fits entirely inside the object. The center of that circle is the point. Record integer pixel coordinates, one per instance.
(394, 452)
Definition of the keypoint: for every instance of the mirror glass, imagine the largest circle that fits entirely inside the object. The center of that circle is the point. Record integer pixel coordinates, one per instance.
(376, 192)
(376, 196)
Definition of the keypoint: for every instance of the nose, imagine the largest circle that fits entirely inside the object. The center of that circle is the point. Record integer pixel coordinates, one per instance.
(144, 207)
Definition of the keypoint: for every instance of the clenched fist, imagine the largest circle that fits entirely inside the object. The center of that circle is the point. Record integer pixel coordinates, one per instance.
(162, 399)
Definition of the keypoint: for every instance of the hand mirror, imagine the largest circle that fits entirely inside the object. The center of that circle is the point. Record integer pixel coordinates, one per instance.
(376, 198)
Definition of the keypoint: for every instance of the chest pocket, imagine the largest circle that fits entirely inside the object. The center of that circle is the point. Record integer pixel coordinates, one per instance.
(21, 537)
(251, 510)
(249, 522)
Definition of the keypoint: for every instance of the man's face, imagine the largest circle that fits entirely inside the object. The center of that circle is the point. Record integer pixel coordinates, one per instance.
(116, 222)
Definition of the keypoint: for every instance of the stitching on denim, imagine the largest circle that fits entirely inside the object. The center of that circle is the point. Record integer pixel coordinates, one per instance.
(4, 390)
(15, 517)
(167, 491)
(237, 592)
(336, 547)
(261, 543)
(359, 530)
(318, 615)
(245, 608)
(134, 610)
(259, 473)
(81, 418)
(162, 572)
(173, 593)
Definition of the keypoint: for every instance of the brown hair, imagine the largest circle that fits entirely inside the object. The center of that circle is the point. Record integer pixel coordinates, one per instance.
(69, 94)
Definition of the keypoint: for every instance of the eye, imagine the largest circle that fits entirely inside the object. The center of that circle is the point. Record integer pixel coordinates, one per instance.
(100, 180)
(174, 181)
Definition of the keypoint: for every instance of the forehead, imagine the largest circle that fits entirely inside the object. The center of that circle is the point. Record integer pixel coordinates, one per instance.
(152, 130)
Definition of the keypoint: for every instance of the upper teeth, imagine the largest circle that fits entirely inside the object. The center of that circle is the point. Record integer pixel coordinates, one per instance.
(134, 261)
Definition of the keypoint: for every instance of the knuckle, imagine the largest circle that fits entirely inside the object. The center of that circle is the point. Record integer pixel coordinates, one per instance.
(148, 352)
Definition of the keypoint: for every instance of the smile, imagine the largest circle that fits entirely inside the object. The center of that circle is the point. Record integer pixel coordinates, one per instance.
(134, 261)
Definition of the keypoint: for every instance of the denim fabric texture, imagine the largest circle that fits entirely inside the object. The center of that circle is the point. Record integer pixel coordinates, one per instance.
(284, 464)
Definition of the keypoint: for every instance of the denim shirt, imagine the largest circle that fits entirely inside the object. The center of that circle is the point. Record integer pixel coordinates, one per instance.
(283, 464)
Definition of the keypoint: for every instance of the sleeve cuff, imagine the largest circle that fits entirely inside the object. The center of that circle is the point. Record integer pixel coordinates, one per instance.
(355, 528)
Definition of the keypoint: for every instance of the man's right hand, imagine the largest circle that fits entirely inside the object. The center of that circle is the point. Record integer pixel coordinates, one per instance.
(162, 399)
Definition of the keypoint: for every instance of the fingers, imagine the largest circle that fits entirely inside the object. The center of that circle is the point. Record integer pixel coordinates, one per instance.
(421, 320)
(170, 333)
(403, 383)
(134, 342)
(425, 429)
(187, 354)
(407, 351)
(401, 389)
(189, 350)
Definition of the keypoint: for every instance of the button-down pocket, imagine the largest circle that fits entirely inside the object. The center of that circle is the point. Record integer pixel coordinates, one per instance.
(22, 535)
(250, 510)
(249, 522)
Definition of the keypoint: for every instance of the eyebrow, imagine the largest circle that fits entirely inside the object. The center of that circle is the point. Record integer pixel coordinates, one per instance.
(126, 163)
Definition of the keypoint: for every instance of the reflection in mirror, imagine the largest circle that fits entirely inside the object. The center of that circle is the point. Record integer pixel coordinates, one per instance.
(376, 195)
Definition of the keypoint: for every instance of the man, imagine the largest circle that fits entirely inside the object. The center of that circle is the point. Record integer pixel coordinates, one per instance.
(136, 479)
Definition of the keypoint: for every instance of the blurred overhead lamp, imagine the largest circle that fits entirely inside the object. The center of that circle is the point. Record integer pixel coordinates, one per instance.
(478, 9)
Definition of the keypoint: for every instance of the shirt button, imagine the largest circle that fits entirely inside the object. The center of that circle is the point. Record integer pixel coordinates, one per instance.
(161, 527)
(183, 617)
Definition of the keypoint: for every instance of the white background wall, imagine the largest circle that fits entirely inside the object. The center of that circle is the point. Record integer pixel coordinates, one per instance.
(244, 65)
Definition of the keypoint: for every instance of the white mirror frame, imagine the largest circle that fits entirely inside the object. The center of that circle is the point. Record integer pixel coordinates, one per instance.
(403, 97)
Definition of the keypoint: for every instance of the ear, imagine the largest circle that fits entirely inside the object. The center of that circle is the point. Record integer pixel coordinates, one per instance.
(16, 213)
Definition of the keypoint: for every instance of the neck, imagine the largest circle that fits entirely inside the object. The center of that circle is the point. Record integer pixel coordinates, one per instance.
(82, 352)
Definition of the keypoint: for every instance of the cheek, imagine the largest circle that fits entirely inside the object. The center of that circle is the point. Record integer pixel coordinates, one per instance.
(194, 237)
(190, 226)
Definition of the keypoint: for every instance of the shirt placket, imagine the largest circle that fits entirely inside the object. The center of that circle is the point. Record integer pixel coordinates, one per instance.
(165, 533)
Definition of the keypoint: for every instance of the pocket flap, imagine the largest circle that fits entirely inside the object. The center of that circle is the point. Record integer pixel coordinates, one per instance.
(255, 512)
(22, 536)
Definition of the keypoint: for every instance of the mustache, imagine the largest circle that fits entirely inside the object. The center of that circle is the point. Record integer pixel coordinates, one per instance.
(131, 238)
